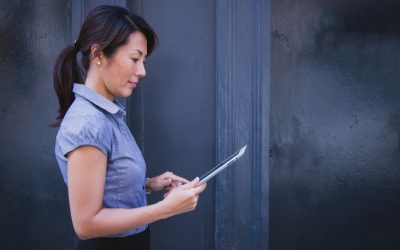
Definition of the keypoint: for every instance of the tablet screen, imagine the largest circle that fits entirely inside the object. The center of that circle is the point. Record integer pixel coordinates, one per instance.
(228, 161)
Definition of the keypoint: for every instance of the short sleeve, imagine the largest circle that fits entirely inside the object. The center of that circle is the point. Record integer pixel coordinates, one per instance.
(85, 131)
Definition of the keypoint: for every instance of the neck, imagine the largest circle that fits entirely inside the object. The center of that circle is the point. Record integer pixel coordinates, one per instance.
(96, 83)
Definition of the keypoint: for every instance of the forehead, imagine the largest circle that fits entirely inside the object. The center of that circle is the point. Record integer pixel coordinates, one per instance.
(136, 41)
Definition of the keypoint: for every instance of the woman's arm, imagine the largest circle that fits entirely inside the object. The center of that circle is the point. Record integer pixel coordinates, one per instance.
(86, 180)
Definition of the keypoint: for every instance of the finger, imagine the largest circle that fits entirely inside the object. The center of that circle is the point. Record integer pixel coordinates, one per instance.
(191, 184)
(200, 188)
(165, 174)
(174, 177)
(175, 184)
(178, 178)
(166, 182)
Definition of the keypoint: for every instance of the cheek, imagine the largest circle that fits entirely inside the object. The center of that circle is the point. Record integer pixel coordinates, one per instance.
(114, 73)
(123, 69)
(118, 72)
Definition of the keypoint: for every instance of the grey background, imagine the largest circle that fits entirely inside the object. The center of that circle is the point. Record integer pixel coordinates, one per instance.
(173, 114)
(34, 210)
(335, 134)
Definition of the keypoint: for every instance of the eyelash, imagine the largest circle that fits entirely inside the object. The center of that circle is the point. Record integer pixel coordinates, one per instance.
(136, 60)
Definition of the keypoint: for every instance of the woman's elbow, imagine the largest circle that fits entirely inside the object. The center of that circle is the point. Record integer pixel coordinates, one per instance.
(83, 230)
(82, 233)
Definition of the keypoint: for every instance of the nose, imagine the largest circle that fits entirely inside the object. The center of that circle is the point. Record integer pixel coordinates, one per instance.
(141, 71)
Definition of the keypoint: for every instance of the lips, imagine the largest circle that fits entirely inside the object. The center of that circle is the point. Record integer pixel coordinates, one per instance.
(132, 84)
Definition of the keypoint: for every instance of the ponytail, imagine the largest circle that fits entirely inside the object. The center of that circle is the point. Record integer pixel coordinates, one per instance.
(66, 72)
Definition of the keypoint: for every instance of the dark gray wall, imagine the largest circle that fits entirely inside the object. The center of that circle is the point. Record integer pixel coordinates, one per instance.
(173, 111)
(206, 95)
(335, 125)
(34, 208)
(243, 48)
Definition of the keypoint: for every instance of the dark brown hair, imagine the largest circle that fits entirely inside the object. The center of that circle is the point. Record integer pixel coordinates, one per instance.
(107, 26)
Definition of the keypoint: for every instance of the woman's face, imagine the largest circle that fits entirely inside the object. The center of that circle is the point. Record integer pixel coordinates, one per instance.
(122, 71)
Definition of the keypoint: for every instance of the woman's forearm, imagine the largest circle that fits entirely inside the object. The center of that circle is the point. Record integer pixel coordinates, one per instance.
(109, 221)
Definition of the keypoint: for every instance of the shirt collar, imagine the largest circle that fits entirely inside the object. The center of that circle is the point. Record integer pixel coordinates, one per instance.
(97, 99)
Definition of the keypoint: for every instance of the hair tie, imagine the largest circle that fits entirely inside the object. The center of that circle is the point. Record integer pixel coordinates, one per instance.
(76, 45)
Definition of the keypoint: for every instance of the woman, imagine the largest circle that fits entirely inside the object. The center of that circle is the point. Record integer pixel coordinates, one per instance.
(98, 157)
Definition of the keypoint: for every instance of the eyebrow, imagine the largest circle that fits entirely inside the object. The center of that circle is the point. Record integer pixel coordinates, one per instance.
(140, 52)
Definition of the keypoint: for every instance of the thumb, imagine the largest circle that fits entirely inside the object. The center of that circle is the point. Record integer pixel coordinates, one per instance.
(192, 184)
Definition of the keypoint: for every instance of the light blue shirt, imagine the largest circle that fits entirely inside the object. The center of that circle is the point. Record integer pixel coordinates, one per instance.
(96, 121)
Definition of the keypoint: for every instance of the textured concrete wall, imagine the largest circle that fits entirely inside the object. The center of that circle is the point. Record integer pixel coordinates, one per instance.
(173, 112)
(335, 125)
(34, 210)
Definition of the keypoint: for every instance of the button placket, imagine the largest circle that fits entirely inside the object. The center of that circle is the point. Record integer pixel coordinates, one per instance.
(120, 117)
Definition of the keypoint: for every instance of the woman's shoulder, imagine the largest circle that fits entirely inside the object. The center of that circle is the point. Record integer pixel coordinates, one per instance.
(84, 124)
(81, 108)
(83, 116)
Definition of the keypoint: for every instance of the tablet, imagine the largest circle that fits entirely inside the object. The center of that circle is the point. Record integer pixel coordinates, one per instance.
(227, 162)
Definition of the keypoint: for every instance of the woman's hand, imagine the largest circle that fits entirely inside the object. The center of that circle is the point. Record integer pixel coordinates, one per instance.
(183, 198)
(166, 181)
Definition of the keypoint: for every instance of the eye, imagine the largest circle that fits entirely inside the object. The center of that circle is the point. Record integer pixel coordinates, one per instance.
(135, 60)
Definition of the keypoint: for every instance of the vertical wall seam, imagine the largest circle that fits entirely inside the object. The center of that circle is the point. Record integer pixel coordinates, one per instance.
(232, 114)
(142, 111)
(225, 38)
(228, 136)
(265, 45)
(256, 192)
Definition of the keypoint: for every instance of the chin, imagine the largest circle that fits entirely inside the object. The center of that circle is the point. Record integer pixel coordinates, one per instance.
(127, 93)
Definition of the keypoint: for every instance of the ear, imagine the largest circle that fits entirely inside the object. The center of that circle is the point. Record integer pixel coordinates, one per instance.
(96, 53)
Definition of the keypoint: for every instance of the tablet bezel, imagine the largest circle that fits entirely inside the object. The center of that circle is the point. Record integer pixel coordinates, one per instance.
(221, 166)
